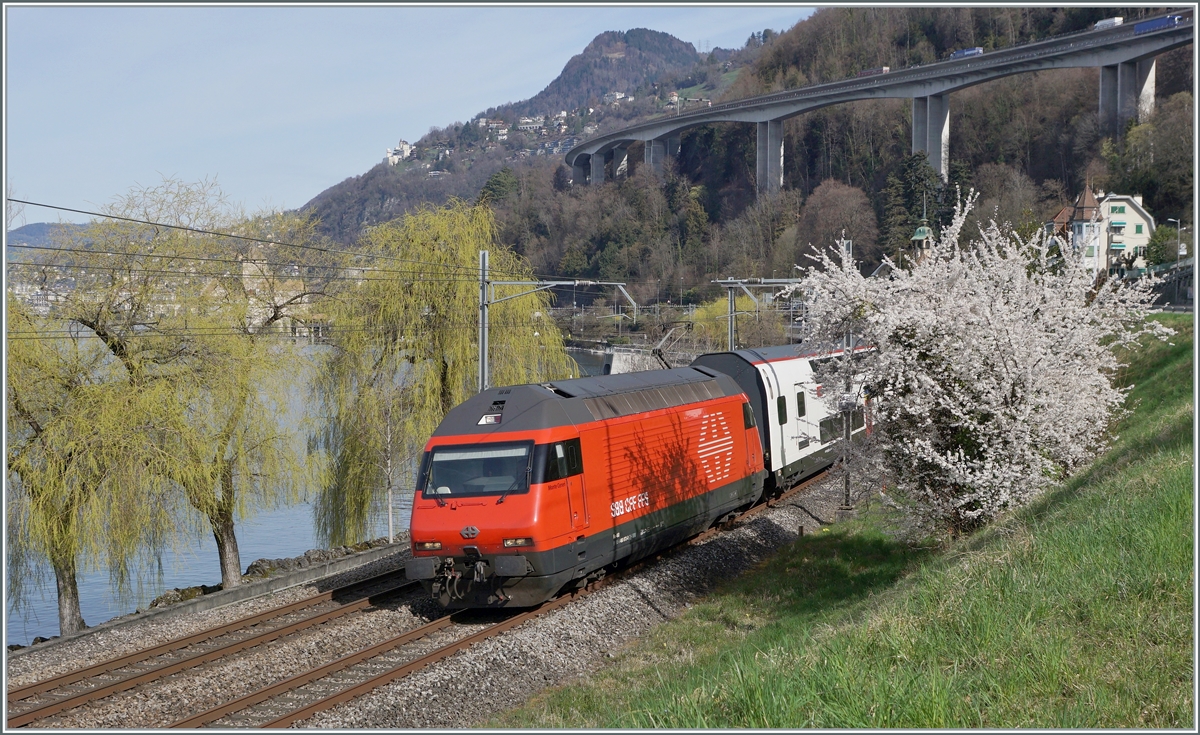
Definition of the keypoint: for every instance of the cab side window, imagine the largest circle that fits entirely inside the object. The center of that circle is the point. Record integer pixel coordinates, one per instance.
(563, 459)
(747, 416)
(574, 457)
(800, 404)
(556, 463)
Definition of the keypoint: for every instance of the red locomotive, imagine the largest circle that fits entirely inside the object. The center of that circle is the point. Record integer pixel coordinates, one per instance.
(527, 489)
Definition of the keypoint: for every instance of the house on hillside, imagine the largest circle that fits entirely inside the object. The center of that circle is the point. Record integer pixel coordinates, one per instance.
(402, 151)
(1111, 231)
(1127, 231)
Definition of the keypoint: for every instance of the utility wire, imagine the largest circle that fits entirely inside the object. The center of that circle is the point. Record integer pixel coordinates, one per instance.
(248, 238)
(175, 256)
(583, 286)
(413, 275)
(457, 325)
(473, 269)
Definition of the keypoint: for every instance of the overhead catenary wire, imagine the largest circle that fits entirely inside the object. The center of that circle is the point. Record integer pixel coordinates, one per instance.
(248, 238)
(198, 258)
(583, 284)
(411, 275)
(464, 267)
(85, 333)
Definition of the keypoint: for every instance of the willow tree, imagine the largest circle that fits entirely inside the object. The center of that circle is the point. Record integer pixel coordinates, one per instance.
(190, 315)
(755, 325)
(85, 488)
(405, 351)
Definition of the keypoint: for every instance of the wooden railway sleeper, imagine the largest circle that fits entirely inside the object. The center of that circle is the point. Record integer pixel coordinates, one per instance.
(157, 671)
(237, 628)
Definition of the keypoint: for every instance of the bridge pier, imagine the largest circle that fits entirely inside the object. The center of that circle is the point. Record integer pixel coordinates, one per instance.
(656, 150)
(769, 169)
(931, 131)
(672, 146)
(579, 174)
(1108, 99)
(597, 176)
(1126, 93)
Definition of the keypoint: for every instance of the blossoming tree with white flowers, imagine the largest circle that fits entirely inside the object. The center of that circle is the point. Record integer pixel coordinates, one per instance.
(993, 373)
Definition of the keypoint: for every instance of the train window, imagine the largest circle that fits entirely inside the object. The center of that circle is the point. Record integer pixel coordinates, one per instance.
(781, 405)
(829, 429)
(857, 419)
(574, 457)
(747, 416)
(557, 461)
(478, 469)
(800, 411)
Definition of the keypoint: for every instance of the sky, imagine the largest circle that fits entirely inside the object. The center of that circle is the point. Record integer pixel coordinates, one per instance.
(278, 103)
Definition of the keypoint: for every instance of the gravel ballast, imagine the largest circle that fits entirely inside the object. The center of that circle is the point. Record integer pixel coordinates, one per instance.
(463, 690)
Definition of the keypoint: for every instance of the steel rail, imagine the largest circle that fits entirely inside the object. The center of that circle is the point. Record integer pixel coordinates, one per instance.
(328, 669)
(145, 675)
(261, 695)
(450, 649)
(400, 672)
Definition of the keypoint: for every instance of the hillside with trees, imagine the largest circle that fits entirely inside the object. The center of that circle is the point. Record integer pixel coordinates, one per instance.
(1028, 144)
(633, 62)
(640, 65)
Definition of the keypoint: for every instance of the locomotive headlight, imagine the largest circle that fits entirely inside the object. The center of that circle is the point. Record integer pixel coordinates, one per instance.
(429, 545)
(512, 542)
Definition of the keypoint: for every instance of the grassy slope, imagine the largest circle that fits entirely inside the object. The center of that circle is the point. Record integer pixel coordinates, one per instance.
(1076, 612)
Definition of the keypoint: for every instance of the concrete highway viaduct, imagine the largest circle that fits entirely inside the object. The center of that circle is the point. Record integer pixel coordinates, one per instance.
(1125, 58)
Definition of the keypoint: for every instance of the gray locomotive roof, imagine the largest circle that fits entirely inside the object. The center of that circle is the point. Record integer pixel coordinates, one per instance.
(763, 354)
(607, 385)
(583, 400)
(781, 352)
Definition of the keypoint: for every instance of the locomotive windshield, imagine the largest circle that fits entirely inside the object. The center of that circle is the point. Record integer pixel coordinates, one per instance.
(478, 469)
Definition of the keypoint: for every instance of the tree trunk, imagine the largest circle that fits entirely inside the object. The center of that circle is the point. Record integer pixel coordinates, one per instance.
(227, 548)
(70, 619)
(447, 391)
(223, 532)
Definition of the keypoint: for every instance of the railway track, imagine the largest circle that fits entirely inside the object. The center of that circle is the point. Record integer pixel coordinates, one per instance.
(40, 700)
(303, 695)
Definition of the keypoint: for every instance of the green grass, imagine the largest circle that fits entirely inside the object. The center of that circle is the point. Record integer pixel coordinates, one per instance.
(1075, 612)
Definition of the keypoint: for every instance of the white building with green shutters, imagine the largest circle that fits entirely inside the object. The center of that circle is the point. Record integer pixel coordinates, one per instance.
(1110, 231)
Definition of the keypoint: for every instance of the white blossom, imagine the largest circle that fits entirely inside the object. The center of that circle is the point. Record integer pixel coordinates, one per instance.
(993, 368)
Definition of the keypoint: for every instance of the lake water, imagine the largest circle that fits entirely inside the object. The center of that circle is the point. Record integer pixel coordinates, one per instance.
(271, 534)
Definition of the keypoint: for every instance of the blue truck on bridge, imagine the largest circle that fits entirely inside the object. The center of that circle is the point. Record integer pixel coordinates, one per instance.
(963, 53)
(1157, 24)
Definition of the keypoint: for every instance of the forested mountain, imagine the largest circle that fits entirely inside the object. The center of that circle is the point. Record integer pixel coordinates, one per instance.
(36, 235)
(643, 65)
(631, 62)
(1027, 144)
